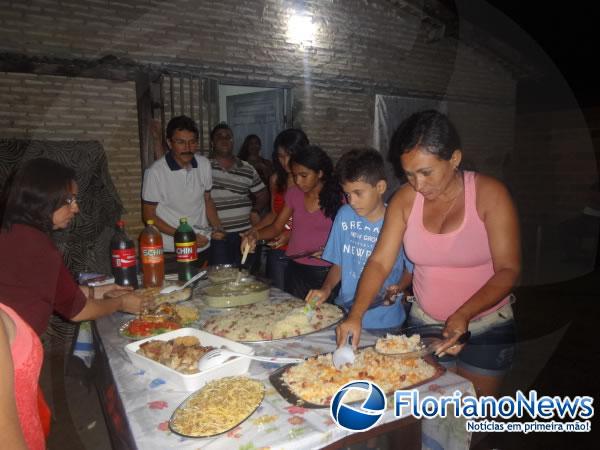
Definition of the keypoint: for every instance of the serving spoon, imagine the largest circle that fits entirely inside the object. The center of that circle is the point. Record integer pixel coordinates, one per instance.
(343, 354)
(169, 289)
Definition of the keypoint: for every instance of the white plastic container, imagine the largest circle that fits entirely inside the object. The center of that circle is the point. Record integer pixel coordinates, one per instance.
(191, 382)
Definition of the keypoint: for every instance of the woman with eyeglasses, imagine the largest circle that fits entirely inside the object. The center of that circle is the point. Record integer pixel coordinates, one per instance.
(34, 280)
(34, 283)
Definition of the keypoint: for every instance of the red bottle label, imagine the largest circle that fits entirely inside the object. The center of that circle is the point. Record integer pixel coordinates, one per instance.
(186, 251)
(152, 254)
(123, 258)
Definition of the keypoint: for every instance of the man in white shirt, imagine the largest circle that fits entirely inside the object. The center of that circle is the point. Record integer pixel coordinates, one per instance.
(178, 185)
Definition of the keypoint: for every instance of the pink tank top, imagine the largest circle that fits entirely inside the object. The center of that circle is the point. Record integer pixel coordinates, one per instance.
(449, 267)
(27, 356)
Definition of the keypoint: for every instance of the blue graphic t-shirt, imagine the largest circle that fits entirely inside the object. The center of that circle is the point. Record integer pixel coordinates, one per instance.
(349, 246)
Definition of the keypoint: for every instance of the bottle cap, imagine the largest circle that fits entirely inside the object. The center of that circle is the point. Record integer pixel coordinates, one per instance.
(150, 222)
(183, 220)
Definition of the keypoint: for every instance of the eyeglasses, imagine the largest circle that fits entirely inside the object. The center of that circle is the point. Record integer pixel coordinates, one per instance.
(190, 143)
(71, 200)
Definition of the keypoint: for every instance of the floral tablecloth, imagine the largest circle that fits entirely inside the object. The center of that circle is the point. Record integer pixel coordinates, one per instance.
(149, 401)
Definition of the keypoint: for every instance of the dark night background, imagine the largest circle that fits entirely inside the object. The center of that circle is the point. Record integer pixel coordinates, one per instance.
(565, 31)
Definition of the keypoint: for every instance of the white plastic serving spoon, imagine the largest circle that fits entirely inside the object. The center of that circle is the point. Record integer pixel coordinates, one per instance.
(169, 289)
(344, 354)
(218, 356)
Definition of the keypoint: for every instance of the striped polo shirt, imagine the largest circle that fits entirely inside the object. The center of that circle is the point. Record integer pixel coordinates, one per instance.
(231, 193)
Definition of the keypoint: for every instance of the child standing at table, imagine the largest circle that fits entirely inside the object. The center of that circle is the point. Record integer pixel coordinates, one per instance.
(353, 236)
(312, 203)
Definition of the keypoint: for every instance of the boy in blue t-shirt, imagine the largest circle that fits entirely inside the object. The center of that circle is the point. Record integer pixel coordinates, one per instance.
(352, 239)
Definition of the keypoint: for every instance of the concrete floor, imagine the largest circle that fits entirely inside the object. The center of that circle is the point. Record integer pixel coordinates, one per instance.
(556, 355)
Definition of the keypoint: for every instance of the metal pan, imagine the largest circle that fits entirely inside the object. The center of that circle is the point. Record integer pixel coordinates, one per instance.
(184, 403)
(276, 379)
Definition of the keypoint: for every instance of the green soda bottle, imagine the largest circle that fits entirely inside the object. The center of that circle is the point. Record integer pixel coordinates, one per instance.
(186, 250)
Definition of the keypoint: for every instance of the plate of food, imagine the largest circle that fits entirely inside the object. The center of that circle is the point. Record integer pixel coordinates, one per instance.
(147, 325)
(313, 383)
(221, 273)
(153, 296)
(174, 357)
(271, 321)
(234, 293)
(217, 408)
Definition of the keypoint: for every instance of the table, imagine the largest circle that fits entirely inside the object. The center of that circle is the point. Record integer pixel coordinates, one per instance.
(137, 406)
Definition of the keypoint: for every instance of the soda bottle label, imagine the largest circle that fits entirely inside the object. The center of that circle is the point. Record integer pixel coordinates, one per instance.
(152, 254)
(186, 251)
(123, 258)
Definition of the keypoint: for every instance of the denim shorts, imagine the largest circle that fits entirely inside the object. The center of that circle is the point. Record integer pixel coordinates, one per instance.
(489, 351)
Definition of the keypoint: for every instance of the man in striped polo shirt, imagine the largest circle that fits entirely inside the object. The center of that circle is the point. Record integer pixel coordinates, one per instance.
(238, 194)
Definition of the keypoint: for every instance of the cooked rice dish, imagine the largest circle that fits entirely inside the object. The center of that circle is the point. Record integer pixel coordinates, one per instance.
(267, 321)
(393, 344)
(316, 380)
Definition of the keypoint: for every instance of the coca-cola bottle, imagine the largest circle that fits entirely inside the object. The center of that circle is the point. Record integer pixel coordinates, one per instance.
(186, 250)
(153, 259)
(123, 258)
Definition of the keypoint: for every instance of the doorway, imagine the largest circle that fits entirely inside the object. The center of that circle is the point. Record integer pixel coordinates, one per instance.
(264, 112)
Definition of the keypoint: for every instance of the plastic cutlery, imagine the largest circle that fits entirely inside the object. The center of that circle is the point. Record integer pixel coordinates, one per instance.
(220, 355)
(344, 354)
(169, 289)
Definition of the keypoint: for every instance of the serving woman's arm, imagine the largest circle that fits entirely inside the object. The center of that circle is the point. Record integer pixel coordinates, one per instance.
(496, 209)
(378, 266)
(10, 427)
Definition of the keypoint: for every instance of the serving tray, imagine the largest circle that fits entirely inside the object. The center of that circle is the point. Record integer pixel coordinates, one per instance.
(276, 379)
(184, 403)
(262, 341)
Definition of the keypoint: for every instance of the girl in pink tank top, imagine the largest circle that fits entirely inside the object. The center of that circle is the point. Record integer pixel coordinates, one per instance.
(27, 355)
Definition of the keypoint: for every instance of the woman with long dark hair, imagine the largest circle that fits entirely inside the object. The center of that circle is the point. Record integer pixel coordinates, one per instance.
(287, 143)
(312, 204)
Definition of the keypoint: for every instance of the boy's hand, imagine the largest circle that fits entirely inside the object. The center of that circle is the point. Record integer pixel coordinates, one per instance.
(391, 293)
(318, 296)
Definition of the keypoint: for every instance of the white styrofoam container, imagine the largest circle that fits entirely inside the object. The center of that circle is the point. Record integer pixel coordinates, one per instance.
(191, 382)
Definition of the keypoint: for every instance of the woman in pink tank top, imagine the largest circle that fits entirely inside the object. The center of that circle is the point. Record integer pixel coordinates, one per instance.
(21, 357)
(460, 230)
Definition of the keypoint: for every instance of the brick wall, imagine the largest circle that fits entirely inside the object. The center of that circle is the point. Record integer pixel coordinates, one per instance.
(551, 173)
(61, 108)
(360, 49)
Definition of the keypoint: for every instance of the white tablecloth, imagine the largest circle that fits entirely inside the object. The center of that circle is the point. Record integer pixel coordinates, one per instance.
(149, 401)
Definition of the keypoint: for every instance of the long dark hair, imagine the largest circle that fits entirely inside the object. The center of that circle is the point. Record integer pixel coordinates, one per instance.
(291, 140)
(429, 130)
(245, 148)
(38, 188)
(314, 158)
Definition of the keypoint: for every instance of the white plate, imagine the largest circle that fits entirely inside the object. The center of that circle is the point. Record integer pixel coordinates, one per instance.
(191, 382)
